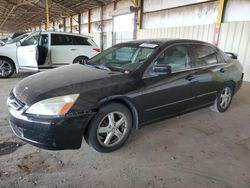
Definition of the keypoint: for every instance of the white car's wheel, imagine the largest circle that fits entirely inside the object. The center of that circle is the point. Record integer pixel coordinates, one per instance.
(80, 59)
(7, 68)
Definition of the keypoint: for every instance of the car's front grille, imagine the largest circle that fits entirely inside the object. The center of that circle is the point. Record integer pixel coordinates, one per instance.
(14, 102)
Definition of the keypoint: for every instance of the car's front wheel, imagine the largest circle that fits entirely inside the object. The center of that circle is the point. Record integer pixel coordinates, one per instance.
(110, 128)
(223, 100)
(7, 68)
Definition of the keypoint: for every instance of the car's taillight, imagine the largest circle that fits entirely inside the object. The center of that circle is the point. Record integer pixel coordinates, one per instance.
(97, 49)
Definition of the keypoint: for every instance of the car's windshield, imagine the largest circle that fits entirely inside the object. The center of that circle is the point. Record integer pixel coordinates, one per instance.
(17, 39)
(125, 58)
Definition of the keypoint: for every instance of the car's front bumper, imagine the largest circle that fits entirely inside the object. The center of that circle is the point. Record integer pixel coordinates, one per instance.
(53, 134)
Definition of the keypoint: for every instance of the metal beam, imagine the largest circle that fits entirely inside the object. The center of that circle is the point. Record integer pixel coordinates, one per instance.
(135, 2)
(71, 24)
(89, 23)
(64, 24)
(20, 17)
(33, 12)
(6, 18)
(79, 22)
(221, 7)
(138, 16)
(102, 34)
(65, 8)
(47, 13)
(220, 12)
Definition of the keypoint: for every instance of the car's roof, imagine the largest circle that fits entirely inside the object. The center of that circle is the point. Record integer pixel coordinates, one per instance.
(66, 33)
(163, 41)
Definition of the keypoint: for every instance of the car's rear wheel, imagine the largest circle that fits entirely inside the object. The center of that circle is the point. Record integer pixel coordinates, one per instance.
(110, 128)
(224, 99)
(7, 68)
(80, 59)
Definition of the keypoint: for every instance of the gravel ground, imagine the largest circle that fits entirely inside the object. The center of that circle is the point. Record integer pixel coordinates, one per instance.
(200, 149)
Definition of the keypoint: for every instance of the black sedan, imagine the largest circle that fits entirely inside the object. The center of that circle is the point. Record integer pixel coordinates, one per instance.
(126, 86)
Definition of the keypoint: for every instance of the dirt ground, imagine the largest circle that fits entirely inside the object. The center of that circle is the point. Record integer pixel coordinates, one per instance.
(200, 149)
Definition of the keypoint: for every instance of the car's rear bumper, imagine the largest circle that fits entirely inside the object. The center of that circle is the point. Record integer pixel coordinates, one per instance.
(239, 83)
(52, 134)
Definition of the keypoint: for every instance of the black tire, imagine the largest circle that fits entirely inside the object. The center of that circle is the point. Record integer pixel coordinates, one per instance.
(80, 59)
(97, 140)
(219, 105)
(7, 67)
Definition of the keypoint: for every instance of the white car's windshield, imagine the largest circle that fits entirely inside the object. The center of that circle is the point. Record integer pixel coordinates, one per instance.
(17, 39)
(123, 59)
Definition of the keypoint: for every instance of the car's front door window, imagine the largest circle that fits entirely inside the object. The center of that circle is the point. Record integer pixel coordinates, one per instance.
(31, 40)
(176, 57)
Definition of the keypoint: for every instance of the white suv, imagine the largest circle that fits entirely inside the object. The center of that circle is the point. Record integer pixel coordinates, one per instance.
(44, 50)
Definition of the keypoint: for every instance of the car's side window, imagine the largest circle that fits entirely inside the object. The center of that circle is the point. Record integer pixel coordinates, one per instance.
(175, 57)
(80, 41)
(31, 40)
(204, 55)
(60, 39)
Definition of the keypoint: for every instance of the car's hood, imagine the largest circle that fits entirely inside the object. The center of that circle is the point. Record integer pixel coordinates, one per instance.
(66, 80)
(7, 46)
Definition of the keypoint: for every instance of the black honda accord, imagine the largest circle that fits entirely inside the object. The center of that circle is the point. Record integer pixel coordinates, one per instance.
(126, 86)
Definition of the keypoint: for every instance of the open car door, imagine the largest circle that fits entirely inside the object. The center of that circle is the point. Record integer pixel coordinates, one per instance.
(27, 53)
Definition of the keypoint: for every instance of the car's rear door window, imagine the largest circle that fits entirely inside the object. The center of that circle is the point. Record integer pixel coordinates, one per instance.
(205, 55)
(77, 40)
(60, 39)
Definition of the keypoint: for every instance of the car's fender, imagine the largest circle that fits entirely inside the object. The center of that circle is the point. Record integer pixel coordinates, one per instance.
(128, 103)
(9, 51)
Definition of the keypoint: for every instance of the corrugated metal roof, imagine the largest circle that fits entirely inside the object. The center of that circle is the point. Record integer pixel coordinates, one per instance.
(17, 15)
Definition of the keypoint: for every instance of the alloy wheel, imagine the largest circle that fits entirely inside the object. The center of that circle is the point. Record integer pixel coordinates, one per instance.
(112, 129)
(225, 97)
(5, 68)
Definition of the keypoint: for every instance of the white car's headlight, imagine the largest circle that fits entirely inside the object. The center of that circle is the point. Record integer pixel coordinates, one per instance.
(55, 106)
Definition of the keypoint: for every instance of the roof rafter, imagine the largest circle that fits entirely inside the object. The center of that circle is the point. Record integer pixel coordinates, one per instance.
(17, 15)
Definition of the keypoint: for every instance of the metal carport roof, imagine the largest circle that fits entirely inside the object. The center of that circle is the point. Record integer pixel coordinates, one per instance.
(20, 14)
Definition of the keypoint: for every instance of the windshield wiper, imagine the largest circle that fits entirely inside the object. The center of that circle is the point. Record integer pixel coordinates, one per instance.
(103, 67)
(98, 66)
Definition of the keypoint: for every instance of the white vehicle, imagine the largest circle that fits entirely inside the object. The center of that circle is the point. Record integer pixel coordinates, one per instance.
(2, 43)
(43, 50)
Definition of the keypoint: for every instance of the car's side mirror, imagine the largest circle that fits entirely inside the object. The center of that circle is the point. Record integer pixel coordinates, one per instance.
(162, 69)
(18, 43)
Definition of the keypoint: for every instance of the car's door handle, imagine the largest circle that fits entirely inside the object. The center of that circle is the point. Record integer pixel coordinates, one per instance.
(73, 49)
(222, 70)
(189, 78)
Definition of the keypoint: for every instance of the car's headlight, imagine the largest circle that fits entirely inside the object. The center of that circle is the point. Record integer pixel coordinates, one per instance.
(55, 106)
